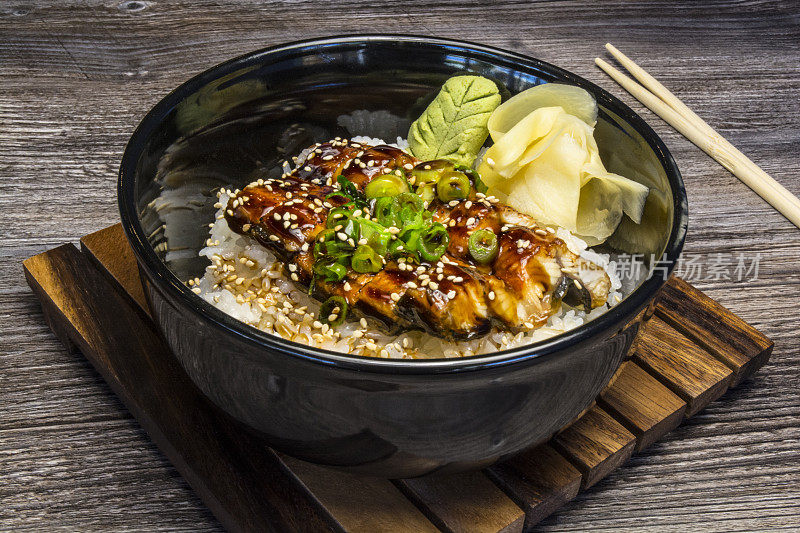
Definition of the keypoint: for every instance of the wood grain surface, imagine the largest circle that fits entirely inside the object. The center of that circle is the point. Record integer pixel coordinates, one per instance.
(646, 407)
(78, 75)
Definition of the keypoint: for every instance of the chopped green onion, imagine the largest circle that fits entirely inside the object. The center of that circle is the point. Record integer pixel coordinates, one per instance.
(475, 177)
(480, 186)
(343, 217)
(349, 191)
(333, 311)
(409, 210)
(452, 185)
(330, 270)
(377, 236)
(385, 212)
(324, 238)
(409, 199)
(338, 215)
(433, 242)
(429, 171)
(365, 259)
(386, 185)
(483, 246)
(399, 248)
(427, 191)
(412, 239)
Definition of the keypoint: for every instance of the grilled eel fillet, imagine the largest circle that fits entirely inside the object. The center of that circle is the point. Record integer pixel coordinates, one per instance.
(452, 298)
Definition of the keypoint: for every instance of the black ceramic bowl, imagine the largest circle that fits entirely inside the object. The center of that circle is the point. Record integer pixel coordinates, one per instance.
(393, 418)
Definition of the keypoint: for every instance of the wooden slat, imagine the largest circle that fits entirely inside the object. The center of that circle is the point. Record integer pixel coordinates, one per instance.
(596, 444)
(645, 406)
(539, 480)
(240, 480)
(726, 336)
(109, 248)
(688, 370)
(465, 502)
(360, 503)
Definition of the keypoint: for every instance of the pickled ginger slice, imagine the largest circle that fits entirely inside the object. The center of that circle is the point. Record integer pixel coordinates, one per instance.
(548, 166)
(574, 100)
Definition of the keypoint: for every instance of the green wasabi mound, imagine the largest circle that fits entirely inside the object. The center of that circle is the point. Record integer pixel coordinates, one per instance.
(453, 126)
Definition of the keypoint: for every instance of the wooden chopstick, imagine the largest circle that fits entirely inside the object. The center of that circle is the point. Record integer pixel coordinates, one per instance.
(673, 101)
(666, 105)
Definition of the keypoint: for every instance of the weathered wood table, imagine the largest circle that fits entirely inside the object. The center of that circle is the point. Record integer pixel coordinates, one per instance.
(75, 78)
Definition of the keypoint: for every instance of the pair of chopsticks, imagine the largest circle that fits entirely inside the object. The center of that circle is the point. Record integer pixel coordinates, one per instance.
(666, 105)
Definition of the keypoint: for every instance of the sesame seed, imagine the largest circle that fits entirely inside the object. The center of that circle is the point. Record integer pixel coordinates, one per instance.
(394, 296)
(491, 295)
(363, 322)
(451, 294)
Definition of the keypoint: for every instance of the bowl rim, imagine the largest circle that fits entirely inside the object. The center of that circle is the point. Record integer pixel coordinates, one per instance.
(166, 281)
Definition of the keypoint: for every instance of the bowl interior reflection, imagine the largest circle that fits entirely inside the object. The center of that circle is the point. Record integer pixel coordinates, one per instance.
(254, 116)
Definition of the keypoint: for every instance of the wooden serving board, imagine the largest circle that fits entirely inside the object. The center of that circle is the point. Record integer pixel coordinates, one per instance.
(691, 352)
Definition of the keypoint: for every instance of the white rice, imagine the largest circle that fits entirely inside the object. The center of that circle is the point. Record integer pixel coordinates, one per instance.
(246, 281)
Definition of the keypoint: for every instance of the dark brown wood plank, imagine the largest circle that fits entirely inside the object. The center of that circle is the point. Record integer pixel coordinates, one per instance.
(688, 370)
(360, 503)
(726, 336)
(539, 480)
(596, 444)
(240, 480)
(646, 407)
(110, 250)
(466, 502)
